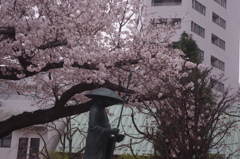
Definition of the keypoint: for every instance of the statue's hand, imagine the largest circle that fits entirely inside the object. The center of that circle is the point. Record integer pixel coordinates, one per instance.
(120, 137)
(114, 131)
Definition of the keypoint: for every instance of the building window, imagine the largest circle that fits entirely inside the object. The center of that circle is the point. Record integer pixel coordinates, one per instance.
(219, 86)
(164, 21)
(34, 148)
(6, 141)
(199, 7)
(223, 3)
(218, 20)
(218, 42)
(197, 29)
(201, 54)
(217, 63)
(166, 2)
(22, 148)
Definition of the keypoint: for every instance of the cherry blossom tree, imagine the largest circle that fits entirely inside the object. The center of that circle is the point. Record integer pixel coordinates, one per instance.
(189, 115)
(189, 120)
(56, 50)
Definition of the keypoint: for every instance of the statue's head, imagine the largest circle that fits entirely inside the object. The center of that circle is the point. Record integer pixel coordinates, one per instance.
(105, 96)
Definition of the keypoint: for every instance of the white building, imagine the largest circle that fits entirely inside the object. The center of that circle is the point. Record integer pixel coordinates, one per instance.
(214, 25)
(26, 143)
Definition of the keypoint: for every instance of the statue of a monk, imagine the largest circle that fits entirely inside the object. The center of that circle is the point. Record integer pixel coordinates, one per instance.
(99, 142)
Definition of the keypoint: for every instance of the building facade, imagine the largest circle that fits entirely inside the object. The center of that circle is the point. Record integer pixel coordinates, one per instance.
(214, 25)
(26, 143)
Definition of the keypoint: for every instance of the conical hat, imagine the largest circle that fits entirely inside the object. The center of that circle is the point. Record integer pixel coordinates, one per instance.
(104, 92)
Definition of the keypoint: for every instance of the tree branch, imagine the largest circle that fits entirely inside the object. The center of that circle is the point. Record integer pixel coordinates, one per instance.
(52, 44)
(9, 31)
(12, 72)
(59, 110)
(41, 116)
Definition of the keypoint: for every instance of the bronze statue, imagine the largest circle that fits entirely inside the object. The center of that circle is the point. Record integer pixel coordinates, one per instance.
(99, 143)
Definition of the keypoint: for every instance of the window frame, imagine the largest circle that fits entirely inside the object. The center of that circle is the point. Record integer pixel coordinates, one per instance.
(218, 42)
(22, 148)
(197, 29)
(166, 2)
(34, 149)
(7, 139)
(219, 86)
(215, 62)
(218, 20)
(223, 3)
(201, 54)
(199, 7)
(163, 21)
